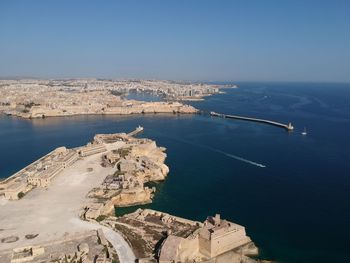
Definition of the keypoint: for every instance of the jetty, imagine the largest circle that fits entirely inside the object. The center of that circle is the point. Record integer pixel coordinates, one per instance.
(288, 127)
(136, 131)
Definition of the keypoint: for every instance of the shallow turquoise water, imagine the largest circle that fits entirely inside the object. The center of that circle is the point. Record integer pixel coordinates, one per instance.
(296, 209)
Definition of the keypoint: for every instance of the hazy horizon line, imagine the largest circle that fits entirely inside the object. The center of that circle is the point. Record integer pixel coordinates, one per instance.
(167, 79)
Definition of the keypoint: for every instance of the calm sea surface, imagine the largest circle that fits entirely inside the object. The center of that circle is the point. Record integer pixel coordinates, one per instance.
(296, 209)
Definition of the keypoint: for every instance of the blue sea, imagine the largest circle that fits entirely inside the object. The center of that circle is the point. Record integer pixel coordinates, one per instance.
(295, 209)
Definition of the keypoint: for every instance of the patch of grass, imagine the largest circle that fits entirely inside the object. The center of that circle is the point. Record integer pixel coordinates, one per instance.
(117, 173)
(139, 246)
(101, 218)
(20, 195)
(123, 152)
(31, 236)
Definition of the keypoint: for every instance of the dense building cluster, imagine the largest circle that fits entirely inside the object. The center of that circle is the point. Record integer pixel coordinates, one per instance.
(127, 165)
(46, 98)
(38, 174)
(41, 172)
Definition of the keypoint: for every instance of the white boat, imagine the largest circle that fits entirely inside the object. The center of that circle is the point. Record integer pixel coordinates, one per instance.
(304, 132)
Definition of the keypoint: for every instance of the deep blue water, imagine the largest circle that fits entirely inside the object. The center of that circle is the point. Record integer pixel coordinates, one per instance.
(296, 209)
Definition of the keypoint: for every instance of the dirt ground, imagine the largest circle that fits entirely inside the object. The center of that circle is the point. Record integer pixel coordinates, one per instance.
(51, 213)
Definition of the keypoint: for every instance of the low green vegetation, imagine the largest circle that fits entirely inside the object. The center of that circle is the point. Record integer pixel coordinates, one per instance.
(123, 152)
(138, 244)
(20, 195)
(117, 173)
(101, 218)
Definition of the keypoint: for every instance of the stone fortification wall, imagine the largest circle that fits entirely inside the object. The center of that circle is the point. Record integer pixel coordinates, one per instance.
(204, 246)
(228, 241)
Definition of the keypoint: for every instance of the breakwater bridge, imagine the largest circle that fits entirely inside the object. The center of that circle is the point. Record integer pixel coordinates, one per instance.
(136, 131)
(288, 126)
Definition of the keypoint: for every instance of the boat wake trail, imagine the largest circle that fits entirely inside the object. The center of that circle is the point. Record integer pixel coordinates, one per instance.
(240, 158)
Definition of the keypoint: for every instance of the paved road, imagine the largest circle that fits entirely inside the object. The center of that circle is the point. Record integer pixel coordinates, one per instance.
(123, 249)
(125, 253)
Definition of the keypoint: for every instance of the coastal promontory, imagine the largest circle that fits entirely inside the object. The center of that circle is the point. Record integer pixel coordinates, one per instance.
(62, 207)
(48, 98)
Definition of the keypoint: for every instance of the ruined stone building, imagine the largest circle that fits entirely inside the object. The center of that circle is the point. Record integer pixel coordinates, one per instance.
(214, 238)
(219, 236)
(92, 148)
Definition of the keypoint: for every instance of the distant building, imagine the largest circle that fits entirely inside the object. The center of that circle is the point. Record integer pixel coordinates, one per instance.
(44, 178)
(214, 238)
(69, 158)
(13, 188)
(127, 165)
(91, 149)
(111, 157)
(26, 254)
(219, 236)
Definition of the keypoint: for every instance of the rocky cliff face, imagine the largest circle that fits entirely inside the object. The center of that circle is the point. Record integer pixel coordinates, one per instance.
(137, 162)
(127, 108)
(131, 198)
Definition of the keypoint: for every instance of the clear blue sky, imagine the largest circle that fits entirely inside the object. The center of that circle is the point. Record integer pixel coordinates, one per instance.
(190, 40)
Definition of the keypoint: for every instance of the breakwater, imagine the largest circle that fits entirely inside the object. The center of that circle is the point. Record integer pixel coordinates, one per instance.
(288, 127)
(136, 131)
